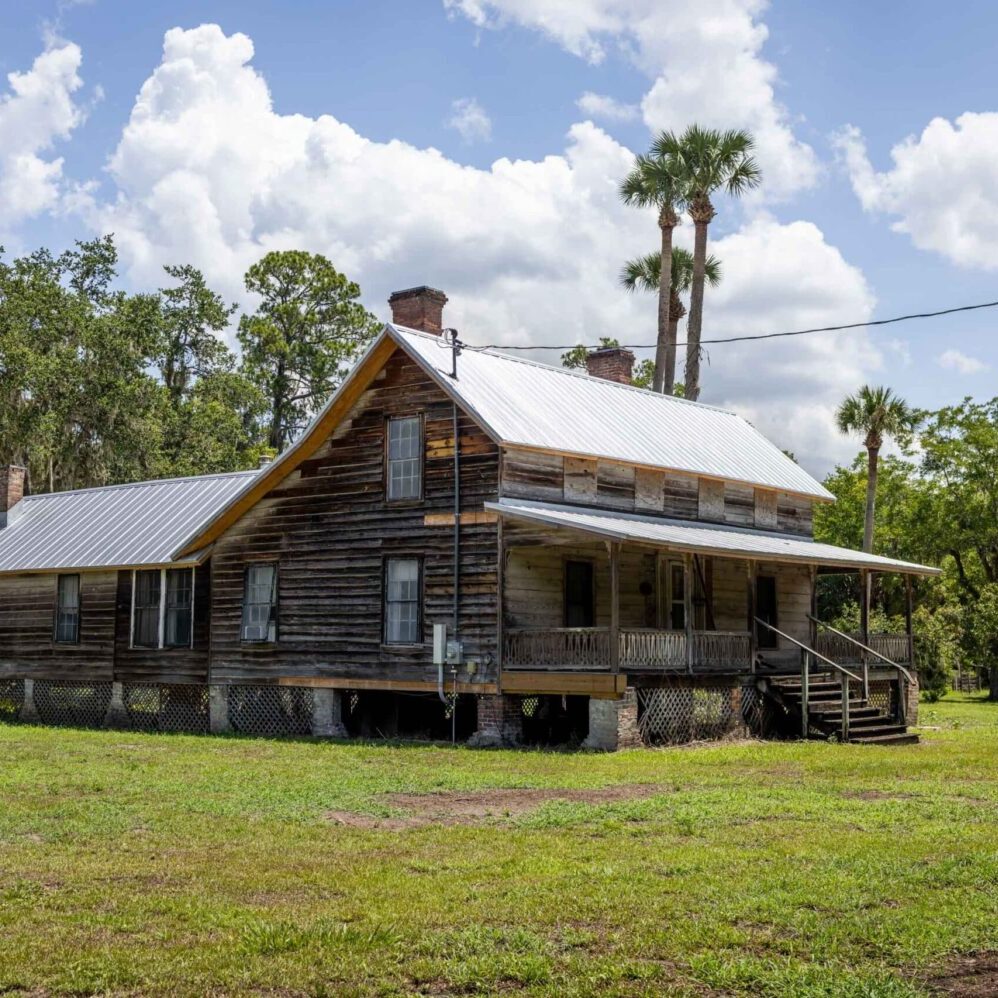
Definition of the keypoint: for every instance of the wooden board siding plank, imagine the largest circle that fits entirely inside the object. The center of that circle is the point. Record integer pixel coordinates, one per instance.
(615, 485)
(711, 500)
(765, 509)
(794, 514)
(580, 479)
(649, 490)
(533, 475)
(739, 505)
(681, 496)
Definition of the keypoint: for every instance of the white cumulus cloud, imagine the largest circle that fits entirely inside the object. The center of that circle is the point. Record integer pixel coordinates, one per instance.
(706, 66)
(37, 110)
(942, 188)
(602, 106)
(954, 360)
(470, 120)
(207, 172)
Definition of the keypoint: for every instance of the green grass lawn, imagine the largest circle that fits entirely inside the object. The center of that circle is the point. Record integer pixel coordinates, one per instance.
(146, 864)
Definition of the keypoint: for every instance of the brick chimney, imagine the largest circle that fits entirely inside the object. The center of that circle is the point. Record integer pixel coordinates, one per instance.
(611, 364)
(419, 308)
(11, 489)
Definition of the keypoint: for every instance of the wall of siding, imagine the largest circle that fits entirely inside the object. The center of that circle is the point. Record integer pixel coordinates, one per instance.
(329, 528)
(611, 485)
(27, 618)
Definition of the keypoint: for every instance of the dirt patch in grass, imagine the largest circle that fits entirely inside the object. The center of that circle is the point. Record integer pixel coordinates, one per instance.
(877, 795)
(972, 976)
(461, 807)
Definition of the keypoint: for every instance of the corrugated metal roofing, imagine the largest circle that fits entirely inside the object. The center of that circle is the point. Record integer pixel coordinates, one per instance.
(137, 524)
(535, 405)
(698, 536)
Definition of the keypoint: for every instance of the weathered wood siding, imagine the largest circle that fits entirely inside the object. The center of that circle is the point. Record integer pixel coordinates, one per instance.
(27, 622)
(329, 527)
(533, 596)
(163, 665)
(612, 485)
(793, 597)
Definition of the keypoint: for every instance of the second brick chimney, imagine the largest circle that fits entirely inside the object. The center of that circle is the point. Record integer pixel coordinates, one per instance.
(11, 489)
(611, 364)
(419, 308)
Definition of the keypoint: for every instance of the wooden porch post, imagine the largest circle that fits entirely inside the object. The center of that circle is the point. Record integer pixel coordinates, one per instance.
(909, 629)
(613, 550)
(813, 633)
(750, 569)
(688, 609)
(864, 605)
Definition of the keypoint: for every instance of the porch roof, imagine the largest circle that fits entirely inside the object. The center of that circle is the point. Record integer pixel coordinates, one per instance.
(699, 537)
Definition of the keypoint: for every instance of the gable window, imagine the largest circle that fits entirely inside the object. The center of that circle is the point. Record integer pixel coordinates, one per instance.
(260, 603)
(163, 608)
(67, 610)
(405, 458)
(145, 608)
(403, 625)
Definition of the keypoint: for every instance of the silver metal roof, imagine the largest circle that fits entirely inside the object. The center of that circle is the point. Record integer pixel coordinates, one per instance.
(118, 525)
(686, 535)
(551, 408)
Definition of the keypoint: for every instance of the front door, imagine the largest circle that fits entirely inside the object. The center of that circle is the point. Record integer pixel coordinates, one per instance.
(580, 594)
(765, 609)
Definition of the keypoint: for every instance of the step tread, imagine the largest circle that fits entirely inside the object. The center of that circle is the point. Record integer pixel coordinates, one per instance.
(906, 738)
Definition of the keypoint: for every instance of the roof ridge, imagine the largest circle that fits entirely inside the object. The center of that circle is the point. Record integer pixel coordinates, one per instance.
(569, 372)
(135, 485)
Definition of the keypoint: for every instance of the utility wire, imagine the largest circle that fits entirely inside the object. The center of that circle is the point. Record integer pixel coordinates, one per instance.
(744, 339)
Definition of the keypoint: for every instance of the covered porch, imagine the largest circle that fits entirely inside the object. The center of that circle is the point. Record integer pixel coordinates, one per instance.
(588, 592)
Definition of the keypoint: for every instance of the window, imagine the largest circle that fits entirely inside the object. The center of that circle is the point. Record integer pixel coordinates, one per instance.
(402, 601)
(146, 608)
(260, 603)
(405, 458)
(67, 609)
(580, 609)
(673, 595)
(179, 619)
(163, 608)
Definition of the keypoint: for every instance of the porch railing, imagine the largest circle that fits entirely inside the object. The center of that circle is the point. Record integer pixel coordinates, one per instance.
(557, 647)
(847, 648)
(641, 649)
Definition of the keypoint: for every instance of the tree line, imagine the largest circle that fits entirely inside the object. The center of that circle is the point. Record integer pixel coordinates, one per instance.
(103, 386)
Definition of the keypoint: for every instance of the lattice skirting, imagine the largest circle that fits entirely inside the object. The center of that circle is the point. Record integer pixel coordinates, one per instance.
(73, 704)
(151, 707)
(11, 699)
(271, 711)
(685, 712)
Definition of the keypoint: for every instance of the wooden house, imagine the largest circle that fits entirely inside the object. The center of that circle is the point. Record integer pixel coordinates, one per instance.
(611, 565)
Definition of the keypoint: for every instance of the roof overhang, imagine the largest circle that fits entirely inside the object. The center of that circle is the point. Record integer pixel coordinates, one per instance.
(701, 538)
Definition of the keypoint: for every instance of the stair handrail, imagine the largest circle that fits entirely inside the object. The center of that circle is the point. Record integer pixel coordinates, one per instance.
(859, 644)
(845, 674)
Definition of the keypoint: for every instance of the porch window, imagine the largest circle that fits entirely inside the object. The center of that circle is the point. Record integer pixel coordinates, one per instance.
(260, 603)
(402, 601)
(405, 464)
(580, 592)
(178, 626)
(672, 594)
(145, 608)
(67, 612)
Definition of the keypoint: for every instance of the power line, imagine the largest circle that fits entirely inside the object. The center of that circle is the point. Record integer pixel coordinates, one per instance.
(745, 339)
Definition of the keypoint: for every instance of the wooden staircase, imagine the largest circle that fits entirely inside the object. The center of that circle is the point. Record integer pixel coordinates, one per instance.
(867, 725)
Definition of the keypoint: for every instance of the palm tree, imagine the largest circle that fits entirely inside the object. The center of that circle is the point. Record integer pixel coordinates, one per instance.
(706, 160)
(876, 413)
(653, 183)
(644, 273)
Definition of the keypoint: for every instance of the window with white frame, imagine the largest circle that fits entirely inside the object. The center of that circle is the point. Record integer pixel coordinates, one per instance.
(67, 610)
(260, 603)
(163, 608)
(405, 458)
(402, 601)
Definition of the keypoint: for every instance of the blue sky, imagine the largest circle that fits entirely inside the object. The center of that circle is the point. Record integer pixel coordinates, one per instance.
(208, 169)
